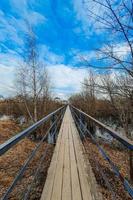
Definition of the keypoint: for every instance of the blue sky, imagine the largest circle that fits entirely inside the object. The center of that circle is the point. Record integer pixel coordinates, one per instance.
(63, 30)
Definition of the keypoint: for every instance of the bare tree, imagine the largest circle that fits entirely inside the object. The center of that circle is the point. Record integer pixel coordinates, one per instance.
(118, 91)
(117, 88)
(32, 78)
(116, 18)
(89, 92)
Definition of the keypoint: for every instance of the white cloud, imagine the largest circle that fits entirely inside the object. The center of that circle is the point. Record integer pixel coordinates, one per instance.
(82, 10)
(10, 59)
(35, 18)
(118, 50)
(66, 79)
(6, 80)
(84, 55)
(19, 5)
(25, 10)
(121, 50)
(8, 29)
(8, 63)
(50, 58)
(12, 28)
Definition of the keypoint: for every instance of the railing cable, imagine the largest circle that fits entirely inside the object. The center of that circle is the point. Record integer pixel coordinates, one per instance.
(22, 170)
(116, 171)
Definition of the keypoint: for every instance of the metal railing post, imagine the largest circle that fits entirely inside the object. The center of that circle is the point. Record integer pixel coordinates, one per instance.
(52, 131)
(81, 122)
(55, 131)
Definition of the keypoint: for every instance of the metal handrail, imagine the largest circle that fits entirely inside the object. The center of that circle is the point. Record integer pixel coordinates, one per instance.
(15, 139)
(122, 139)
(77, 122)
(33, 153)
(128, 187)
(35, 150)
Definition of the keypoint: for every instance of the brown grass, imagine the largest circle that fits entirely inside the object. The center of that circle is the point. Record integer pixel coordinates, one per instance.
(8, 128)
(13, 160)
(120, 158)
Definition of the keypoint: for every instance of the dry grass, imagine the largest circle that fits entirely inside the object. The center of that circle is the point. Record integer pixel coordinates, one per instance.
(13, 160)
(120, 158)
(8, 128)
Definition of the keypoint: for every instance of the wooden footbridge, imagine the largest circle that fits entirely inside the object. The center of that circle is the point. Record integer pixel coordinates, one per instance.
(69, 176)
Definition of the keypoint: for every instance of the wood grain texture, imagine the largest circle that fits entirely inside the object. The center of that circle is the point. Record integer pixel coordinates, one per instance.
(67, 177)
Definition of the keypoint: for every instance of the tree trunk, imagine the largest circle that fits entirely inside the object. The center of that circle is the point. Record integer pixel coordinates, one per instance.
(35, 110)
(35, 92)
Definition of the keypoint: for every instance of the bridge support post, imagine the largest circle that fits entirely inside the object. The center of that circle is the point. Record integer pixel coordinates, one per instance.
(51, 135)
(55, 131)
(82, 125)
(62, 114)
(92, 128)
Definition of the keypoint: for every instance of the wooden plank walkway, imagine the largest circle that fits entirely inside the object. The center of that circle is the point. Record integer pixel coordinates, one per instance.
(67, 178)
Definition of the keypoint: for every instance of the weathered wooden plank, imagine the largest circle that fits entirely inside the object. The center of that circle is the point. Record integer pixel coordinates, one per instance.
(66, 188)
(57, 187)
(76, 191)
(67, 177)
(47, 191)
(83, 176)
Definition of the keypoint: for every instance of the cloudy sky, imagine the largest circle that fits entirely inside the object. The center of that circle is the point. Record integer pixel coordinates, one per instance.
(64, 33)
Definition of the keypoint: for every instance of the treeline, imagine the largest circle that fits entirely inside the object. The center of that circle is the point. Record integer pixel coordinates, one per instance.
(16, 108)
(108, 97)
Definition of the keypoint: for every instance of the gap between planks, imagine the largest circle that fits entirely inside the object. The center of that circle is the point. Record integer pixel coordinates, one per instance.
(67, 178)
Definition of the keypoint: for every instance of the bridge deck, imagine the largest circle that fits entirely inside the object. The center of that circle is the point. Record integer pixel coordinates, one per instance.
(67, 177)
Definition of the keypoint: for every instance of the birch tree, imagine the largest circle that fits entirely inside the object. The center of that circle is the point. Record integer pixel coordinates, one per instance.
(32, 78)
